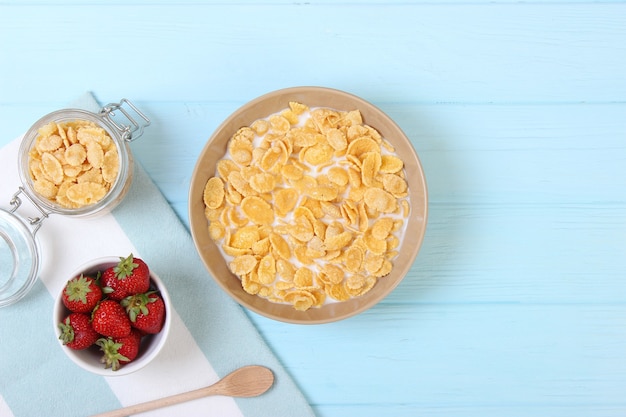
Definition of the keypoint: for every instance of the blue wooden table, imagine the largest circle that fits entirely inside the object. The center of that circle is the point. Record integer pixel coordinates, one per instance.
(516, 304)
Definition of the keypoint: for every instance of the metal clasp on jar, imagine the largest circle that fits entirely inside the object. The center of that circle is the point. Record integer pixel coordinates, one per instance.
(128, 132)
(35, 222)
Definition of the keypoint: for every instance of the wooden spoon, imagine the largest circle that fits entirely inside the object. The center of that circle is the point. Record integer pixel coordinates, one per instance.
(248, 381)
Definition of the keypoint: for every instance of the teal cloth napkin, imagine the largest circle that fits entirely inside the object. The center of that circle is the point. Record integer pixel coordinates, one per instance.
(211, 332)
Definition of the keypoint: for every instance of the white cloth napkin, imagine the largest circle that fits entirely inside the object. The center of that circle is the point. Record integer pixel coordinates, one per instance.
(210, 335)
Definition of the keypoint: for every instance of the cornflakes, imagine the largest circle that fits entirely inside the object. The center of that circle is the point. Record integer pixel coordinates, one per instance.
(257, 210)
(75, 154)
(263, 182)
(303, 277)
(380, 200)
(52, 168)
(267, 270)
(74, 163)
(308, 203)
(86, 193)
(243, 264)
(245, 237)
(280, 246)
(214, 193)
(391, 164)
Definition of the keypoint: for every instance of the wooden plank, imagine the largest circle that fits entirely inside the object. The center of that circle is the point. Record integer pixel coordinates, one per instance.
(490, 154)
(191, 3)
(511, 358)
(418, 52)
(482, 154)
(519, 254)
(481, 410)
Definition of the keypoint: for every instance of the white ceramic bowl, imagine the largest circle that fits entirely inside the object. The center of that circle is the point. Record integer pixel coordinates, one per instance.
(89, 359)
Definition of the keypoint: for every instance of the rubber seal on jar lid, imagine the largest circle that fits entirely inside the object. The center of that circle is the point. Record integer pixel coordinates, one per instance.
(19, 258)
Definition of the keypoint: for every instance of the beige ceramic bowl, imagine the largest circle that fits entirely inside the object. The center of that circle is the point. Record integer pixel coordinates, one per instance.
(89, 359)
(261, 108)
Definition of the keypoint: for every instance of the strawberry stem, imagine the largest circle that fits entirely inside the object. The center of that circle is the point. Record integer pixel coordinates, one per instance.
(78, 288)
(137, 304)
(125, 267)
(67, 331)
(111, 358)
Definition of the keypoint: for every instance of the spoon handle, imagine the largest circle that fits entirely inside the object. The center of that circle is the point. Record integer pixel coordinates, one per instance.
(159, 403)
(248, 381)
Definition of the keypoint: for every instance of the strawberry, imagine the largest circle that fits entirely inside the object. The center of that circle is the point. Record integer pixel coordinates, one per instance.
(110, 319)
(76, 331)
(146, 311)
(81, 294)
(130, 276)
(119, 350)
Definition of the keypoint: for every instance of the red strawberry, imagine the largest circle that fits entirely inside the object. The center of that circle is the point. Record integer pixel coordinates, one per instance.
(120, 350)
(81, 294)
(110, 319)
(146, 311)
(76, 331)
(130, 276)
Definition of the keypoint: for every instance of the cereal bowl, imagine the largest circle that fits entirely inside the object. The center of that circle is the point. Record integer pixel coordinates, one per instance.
(220, 264)
(89, 359)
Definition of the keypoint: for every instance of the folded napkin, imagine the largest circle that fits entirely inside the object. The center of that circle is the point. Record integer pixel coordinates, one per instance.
(210, 336)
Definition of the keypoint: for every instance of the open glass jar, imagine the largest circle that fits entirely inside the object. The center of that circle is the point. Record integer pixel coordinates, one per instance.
(19, 250)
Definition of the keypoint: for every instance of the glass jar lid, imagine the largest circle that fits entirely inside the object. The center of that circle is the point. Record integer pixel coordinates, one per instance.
(19, 257)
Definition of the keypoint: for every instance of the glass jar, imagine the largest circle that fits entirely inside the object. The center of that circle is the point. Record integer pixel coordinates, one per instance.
(19, 249)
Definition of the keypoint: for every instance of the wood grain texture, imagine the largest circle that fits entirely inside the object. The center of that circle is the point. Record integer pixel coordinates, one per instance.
(247, 381)
(423, 52)
(516, 305)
